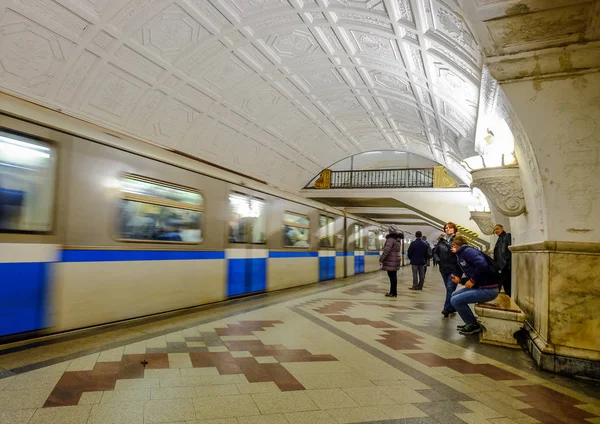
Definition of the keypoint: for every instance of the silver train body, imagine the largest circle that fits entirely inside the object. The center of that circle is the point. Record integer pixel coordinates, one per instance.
(85, 260)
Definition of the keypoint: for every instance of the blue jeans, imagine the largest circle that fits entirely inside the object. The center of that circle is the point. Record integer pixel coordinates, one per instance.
(450, 287)
(460, 301)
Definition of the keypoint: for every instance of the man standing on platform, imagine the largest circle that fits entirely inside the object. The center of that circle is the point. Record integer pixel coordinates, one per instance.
(418, 252)
(502, 257)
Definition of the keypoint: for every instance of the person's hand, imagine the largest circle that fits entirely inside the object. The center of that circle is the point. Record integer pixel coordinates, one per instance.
(469, 284)
(455, 279)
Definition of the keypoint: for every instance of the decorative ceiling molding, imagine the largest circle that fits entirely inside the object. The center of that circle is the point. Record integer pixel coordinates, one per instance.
(277, 89)
(536, 39)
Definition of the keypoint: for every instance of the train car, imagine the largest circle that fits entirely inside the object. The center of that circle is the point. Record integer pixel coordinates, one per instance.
(96, 227)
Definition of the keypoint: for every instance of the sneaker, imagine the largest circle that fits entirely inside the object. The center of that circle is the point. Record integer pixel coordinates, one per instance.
(471, 329)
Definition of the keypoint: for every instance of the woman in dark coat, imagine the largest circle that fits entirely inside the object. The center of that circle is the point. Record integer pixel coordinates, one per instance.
(390, 259)
(448, 264)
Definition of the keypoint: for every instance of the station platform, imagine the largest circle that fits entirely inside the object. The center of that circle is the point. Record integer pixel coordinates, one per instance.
(333, 352)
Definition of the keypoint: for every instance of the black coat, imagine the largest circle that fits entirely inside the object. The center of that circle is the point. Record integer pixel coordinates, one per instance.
(446, 259)
(502, 256)
(418, 252)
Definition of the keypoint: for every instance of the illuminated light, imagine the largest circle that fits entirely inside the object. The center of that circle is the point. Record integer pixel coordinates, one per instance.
(24, 144)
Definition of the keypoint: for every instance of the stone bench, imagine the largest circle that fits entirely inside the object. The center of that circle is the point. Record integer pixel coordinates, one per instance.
(500, 319)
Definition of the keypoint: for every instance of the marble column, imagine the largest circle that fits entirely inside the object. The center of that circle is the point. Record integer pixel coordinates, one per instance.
(546, 60)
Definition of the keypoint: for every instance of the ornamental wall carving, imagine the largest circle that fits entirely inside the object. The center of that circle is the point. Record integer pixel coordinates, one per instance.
(502, 186)
(484, 222)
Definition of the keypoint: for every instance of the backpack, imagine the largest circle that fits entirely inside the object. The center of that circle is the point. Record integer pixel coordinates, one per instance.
(494, 269)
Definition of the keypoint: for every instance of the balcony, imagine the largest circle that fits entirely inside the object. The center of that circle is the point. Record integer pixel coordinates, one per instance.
(383, 178)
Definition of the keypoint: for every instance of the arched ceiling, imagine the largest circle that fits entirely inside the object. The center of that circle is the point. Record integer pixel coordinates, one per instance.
(277, 89)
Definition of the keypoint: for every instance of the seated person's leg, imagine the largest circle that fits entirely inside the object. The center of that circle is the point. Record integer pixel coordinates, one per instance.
(460, 302)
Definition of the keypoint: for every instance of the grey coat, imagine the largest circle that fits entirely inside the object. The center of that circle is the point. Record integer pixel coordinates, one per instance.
(391, 253)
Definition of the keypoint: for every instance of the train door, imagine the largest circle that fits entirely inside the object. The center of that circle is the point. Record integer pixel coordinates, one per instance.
(247, 253)
(359, 248)
(326, 247)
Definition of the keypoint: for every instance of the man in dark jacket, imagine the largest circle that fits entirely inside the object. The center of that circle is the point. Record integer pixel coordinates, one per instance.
(447, 264)
(478, 280)
(502, 257)
(417, 255)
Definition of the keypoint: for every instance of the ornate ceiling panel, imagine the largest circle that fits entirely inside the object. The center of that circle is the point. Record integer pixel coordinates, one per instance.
(277, 89)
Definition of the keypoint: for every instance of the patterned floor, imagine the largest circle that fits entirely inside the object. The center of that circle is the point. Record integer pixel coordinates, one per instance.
(333, 353)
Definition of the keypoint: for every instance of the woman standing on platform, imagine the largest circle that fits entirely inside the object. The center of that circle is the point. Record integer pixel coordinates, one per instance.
(448, 264)
(390, 259)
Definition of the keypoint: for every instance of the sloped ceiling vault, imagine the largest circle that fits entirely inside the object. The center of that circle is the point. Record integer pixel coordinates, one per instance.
(275, 89)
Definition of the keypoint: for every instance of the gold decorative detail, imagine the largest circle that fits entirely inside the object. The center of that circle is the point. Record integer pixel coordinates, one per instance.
(441, 178)
(324, 180)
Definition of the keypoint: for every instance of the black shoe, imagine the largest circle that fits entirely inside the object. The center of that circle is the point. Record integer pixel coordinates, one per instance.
(471, 329)
(445, 313)
(460, 327)
(388, 295)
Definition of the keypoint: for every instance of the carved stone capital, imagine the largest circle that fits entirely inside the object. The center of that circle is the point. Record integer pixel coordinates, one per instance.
(502, 186)
(483, 221)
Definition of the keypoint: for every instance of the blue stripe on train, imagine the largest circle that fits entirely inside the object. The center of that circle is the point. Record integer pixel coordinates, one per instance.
(291, 254)
(372, 253)
(137, 255)
(23, 297)
(246, 275)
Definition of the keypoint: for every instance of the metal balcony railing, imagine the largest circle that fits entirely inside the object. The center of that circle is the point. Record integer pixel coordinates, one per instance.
(385, 178)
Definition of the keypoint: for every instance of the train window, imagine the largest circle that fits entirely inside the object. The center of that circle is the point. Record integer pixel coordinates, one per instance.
(154, 211)
(372, 240)
(358, 237)
(296, 230)
(247, 222)
(27, 178)
(327, 231)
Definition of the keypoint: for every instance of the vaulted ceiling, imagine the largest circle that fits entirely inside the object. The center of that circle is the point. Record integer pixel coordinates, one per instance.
(277, 89)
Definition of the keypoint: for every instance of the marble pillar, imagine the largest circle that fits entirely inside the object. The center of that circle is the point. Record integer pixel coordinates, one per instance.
(559, 291)
(544, 58)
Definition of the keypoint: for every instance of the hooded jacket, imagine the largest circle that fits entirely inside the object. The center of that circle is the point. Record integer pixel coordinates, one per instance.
(475, 268)
(390, 258)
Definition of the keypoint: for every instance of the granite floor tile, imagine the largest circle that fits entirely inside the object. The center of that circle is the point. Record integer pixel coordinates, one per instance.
(265, 387)
(402, 411)
(161, 411)
(310, 417)
(90, 398)
(16, 416)
(172, 393)
(225, 407)
(117, 413)
(402, 394)
(23, 399)
(137, 383)
(214, 391)
(263, 419)
(331, 398)
(358, 415)
(180, 360)
(62, 414)
(369, 396)
(112, 355)
(198, 372)
(474, 418)
(481, 409)
(126, 396)
(266, 360)
(163, 374)
(85, 363)
(219, 421)
(273, 403)
(330, 381)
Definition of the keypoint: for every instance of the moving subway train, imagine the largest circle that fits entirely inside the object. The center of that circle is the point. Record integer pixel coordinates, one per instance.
(96, 228)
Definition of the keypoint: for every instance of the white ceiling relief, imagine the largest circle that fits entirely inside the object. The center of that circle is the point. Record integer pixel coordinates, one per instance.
(276, 89)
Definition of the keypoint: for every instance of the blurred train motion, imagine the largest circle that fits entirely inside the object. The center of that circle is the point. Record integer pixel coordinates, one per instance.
(96, 228)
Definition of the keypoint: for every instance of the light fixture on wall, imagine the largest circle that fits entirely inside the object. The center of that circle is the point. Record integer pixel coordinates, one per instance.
(497, 176)
(483, 218)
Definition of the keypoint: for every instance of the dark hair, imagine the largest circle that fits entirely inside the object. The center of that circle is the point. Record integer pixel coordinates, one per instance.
(418, 234)
(451, 225)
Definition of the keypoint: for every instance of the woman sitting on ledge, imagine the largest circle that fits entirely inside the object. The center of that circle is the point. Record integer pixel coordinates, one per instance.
(478, 281)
